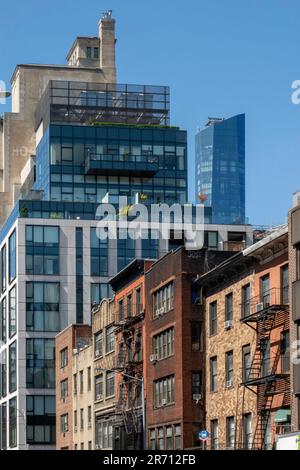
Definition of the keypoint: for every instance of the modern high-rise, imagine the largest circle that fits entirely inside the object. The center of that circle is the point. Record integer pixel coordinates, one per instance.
(75, 138)
(220, 169)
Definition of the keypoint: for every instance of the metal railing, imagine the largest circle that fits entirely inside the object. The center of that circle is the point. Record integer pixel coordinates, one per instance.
(275, 297)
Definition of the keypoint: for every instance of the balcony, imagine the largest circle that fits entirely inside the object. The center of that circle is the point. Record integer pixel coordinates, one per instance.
(126, 165)
(89, 103)
(272, 301)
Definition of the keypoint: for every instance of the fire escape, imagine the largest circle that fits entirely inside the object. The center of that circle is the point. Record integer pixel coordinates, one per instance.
(265, 376)
(129, 365)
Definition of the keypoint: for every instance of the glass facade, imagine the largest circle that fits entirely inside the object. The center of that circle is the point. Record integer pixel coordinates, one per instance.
(40, 419)
(40, 363)
(42, 250)
(220, 169)
(42, 306)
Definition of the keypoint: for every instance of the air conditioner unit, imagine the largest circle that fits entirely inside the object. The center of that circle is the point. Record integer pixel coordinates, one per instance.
(259, 306)
(161, 310)
(164, 402)
(157, 312)
(197, 397)
(97, 446)
(228, 324)
(229, 383)
(75, 351)
(99, 397)
(153, 358)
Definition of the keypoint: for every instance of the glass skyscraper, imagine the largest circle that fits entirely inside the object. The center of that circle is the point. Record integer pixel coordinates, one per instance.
(220, 169)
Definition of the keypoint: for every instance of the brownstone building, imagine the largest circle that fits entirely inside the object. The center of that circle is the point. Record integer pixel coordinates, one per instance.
(174, 356)
(72, 338)
(230, 408)
(131, 363)
(268, 314)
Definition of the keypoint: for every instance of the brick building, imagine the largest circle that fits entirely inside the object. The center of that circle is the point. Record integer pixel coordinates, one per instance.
(174, 356)
(268, 315)
(294, 270)
(131, 363)
(103, 373)
(71, 338)
(230, 409)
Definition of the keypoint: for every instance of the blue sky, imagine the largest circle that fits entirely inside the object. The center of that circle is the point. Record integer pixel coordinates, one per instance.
(220, 58)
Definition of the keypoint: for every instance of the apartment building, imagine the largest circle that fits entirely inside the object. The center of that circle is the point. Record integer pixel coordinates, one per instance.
(229, 346)
(69, 343)
(294, 279)
(104, 355)
(268, 313)
(131, 363)
(174, 356)
(83, 397)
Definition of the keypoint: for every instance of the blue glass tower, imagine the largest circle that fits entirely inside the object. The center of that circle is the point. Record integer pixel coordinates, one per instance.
(220, 169)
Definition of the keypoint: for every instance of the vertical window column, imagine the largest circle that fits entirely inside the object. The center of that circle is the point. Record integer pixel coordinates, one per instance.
(79, 275)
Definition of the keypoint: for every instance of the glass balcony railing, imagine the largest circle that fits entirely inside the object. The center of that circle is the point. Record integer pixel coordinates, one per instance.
(99, 164)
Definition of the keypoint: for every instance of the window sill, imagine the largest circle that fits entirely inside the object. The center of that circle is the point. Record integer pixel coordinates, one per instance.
(164, 406)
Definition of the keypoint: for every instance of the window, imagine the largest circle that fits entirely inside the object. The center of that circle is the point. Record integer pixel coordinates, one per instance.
(163, 300)
(229, 307)
(177, 437)
(100, 291)
(138, 347)
(211, 240)
(89, 52)
(285, 284)
(246, 362)
(89, 417)
(285, 351)
(40, 363)
(64, 389)
(3, 320)
(265, 357)
(229, 368)
(99, 387)
(12, 312)
(3, 375)
(75, 384)
(12, 256)
(89, 378)
(3, 429)
(129, 305)
(265, 290)
(152, 444)
(12, 423)
(96, 52)
(12, 372)
(245, 300)
(213, 374)
(214, 431)
(160, 439)
(40, 419)
(42, 306)
(164, 344)
(126, 251)
(230, 438)
(75, 421)
(164, 391)
(196, 336)
(42, 250)
(99, 254)
(213, 321)
(63, 358)
(64, 425)
(138, 300)
(247, 430)
(104, 434)
(81, 419)
(3, 268)
(110, 339)
(196, 383)
(110, 384)
(81, 382)
(99, 344)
